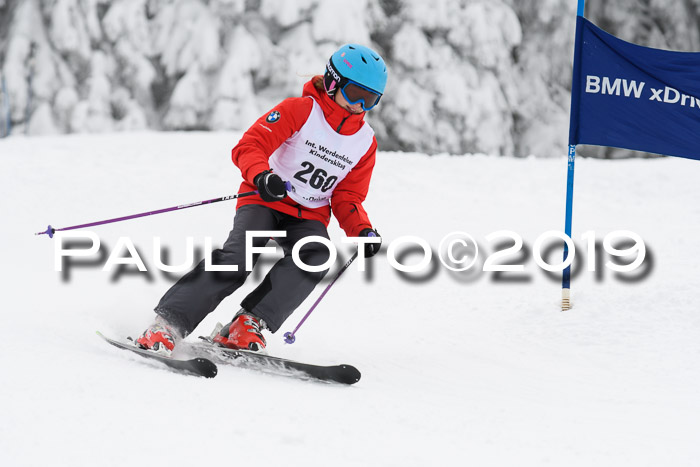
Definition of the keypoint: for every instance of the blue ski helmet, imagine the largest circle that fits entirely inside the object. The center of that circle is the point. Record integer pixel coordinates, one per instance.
(359, 65)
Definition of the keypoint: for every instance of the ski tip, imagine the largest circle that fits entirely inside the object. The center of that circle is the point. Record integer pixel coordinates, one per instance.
(206, 368)
(349, 375)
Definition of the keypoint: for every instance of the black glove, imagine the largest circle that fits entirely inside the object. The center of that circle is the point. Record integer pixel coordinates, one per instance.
(371, 249)
(270, 186)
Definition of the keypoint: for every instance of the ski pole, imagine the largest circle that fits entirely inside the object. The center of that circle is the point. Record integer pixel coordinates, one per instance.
(289, 336)
(50, 230)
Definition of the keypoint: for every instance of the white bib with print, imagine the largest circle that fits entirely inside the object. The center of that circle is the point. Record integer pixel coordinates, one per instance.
(316, 159)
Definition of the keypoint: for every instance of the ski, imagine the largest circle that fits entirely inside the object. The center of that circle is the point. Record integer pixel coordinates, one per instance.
(196, 366)
(344, 374)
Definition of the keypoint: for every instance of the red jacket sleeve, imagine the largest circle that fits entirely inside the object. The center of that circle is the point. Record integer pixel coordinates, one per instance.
(348, 196)
(252, 152)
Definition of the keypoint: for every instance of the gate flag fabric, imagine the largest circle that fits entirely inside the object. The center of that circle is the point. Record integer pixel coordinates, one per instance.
(633, 97)
(628, 96)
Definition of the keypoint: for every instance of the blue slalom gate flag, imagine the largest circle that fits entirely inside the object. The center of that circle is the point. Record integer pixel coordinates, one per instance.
(633, 97)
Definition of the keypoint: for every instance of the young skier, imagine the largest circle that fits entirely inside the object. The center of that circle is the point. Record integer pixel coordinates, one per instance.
(318, 146)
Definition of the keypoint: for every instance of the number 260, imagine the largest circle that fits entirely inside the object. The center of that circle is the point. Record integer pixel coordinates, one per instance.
(319, 177)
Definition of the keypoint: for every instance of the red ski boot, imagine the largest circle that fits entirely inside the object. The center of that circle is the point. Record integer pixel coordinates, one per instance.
(159, 337)
(244, 332)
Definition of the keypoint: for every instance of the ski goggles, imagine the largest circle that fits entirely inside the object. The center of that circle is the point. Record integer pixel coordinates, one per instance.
(355, 92)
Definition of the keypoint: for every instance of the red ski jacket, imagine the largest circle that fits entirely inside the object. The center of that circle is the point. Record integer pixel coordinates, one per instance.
(252, 152)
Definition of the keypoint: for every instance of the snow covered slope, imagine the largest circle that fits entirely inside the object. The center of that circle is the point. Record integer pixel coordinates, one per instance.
(462, 369)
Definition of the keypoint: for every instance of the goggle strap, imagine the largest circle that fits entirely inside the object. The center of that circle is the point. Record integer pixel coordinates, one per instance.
(333, 80)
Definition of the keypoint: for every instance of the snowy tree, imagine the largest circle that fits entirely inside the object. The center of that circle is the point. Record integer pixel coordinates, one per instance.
(489, 76)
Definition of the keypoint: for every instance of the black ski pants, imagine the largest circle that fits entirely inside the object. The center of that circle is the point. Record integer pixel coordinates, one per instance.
(284, 288)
